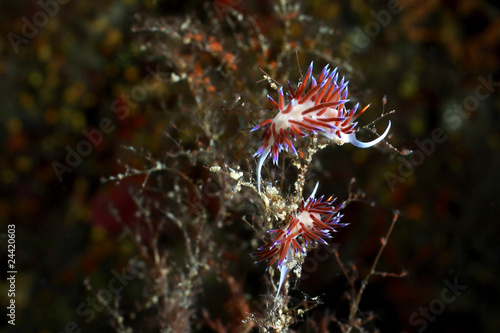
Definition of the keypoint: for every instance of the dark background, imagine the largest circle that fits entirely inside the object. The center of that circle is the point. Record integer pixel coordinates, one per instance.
(429, 58)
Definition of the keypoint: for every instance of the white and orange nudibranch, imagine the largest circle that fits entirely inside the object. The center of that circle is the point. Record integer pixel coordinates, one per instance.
(314, 221)
(317, 108)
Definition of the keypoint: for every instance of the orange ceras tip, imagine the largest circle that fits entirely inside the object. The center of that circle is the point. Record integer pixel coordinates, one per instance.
(314, 221)
(317, 106)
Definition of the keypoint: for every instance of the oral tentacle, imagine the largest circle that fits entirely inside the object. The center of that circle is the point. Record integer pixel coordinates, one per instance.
(355, 142)
(262, 158)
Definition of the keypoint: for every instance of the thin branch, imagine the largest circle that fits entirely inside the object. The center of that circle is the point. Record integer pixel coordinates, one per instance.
(359, 294)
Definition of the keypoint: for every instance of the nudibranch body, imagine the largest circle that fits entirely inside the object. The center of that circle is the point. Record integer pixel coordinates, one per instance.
(315, 220)
(317, 108)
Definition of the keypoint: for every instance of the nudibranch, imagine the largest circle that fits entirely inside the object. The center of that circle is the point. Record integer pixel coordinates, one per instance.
(314, 221)
(317, 107)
